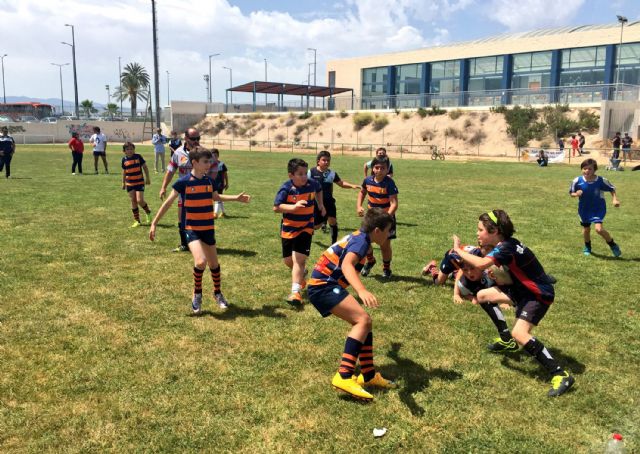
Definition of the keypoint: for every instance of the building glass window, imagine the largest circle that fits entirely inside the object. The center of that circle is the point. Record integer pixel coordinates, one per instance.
(532, 62)
(374, 81)
(445, 83)
(408, 79)
(583, 57)
(629, 72)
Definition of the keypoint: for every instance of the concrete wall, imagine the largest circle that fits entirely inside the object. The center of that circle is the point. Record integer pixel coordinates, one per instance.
(619, 116)
(60, 132)
(185, 114)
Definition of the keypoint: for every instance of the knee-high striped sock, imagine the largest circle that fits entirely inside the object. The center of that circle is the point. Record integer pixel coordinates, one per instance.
(366, 358)
(215, 275)
(537, 349)
(370, 257)
(494, 312)
(197, 280)
(334, 233)
(349, 357)
(136, 214)
(146, 209)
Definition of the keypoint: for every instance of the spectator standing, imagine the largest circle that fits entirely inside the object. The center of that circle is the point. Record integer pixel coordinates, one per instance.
(626, 147)
(158, 140)
(77, 150)
(7, 148)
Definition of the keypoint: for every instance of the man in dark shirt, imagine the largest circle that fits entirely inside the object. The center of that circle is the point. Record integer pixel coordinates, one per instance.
(7, 148)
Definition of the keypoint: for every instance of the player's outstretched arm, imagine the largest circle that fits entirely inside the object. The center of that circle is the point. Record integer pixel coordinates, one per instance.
(146, 173)
(168, 176)
(289, 207)
(353, 277)
(473, 260)
(615, 200)
(346, 185)
(242, 197)
(359, 209)
(161, 212)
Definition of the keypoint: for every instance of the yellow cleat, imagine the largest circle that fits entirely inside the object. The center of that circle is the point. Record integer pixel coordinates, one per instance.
(349, 386)
(378, 381)
(135, 224)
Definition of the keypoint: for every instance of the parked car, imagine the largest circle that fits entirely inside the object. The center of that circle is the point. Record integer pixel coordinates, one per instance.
(28, 119)
(66, 118)
(49, 120)
(4, 119)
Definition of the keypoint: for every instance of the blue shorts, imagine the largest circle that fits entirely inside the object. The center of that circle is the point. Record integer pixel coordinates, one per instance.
(137, 188)
(99, 153)
(325, 297)
(206, 236)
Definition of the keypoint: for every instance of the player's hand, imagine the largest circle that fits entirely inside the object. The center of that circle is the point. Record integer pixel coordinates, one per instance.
(323, 211)
(357, 188)
(367, 298)
(226, 186)
(148, 182)
(163, 193)
(474, 300)
(123, 186)
(152, 232)
(244, 198)
(578, 193)
(301, 204)
(457, 299)
(456, 242)
(616, 203)
(360, 212)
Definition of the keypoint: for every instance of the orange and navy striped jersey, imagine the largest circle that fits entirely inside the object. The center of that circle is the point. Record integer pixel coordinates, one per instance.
(301, 220)
(328, 269)
(132, 167)
(197, 205)
(379, 193)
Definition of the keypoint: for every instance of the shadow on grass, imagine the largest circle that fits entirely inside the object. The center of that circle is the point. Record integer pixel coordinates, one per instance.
(569, 363)
(400, 278)
(227, 216)
(236, 312)
(167, 226)
(240, 252)
(19, 178)
(406, 224)
(416, 378)
(610, 257)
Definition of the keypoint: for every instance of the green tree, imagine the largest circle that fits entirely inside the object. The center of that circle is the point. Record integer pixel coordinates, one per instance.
(87, 107)
(112, 109)
(134, 85)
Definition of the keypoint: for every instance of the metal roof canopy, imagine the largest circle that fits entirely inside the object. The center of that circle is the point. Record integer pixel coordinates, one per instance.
(281, 88)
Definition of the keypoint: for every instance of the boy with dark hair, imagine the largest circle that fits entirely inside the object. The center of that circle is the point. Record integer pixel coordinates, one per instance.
(326, 177)
(590, 188)
(197, 194)
(132, 166)
(530, 290)
(382, 193)
(295, 200)
(7, 148)
(99, 142)
(336, 269)
(220, 181)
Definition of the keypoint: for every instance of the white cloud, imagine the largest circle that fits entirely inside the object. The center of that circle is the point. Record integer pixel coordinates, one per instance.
(531, 14)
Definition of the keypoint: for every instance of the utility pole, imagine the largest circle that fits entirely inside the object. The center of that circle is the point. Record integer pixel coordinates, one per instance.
(60, 65)
(210, 97)
(4, 93)
(206, 84)
(75, 73)
(168, 97)
(156, 70)
(265, 79)
(120, 83)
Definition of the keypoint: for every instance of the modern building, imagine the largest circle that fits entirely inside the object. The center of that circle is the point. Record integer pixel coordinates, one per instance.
(581, 64)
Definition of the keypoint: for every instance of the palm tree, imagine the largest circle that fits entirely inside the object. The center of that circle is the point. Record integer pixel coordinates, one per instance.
(134, 85)
(112, 109)
(87, 107)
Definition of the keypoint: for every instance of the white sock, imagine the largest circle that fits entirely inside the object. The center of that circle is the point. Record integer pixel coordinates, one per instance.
(295, 287)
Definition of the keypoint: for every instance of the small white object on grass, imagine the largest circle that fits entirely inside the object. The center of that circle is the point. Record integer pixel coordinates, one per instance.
(379, 432)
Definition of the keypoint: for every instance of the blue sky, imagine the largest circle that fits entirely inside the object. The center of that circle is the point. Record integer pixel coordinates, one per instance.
(246, 32)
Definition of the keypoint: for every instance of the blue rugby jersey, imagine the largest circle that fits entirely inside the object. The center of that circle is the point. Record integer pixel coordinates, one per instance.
(528, 275)
(132, 167)
(592, 203)
(197, 206)
(328, 269)
(379, 193)
(301, 220)
(325, 180)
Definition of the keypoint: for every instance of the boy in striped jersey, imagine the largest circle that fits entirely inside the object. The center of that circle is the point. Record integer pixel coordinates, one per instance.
(339, 267)
(198, 196)
(295, 200)
(382, 193)
(132, 166)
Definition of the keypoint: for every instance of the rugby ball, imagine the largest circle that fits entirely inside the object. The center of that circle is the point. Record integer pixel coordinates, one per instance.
(500, 274)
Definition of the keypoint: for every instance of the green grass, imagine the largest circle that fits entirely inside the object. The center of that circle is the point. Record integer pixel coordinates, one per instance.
(98, 349)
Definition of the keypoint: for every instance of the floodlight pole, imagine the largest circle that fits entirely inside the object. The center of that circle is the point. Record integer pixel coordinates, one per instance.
(265, 79)
(622, 20)
(75, 73)
(156, 70)
(60, 65)
(4, 93)
(210, 97)
(315, 71)
(230, 83)
(168, 97)
(206, 84)
(120, 83)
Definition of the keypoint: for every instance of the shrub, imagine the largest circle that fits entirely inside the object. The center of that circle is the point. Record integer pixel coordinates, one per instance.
(519, 120)
(484, 117)
(435, 110)
(280, 119)
(557, 122)
(338, 134)
(467, 123)
(454, 133)
(422, 112)
(498, 109)
(299, 129)
(545, 144)
(253, 143)
(305, 115)
(279, 137)
(427, 134)
(296, 140)
(220, 125)
(343, 114)
(397, 111)
(328, 115)
(242, 131)
(361, 119)
(290, 121)
(406, 115)
(455, 114)
(256, 116)
(477, 137)
(380, 122)
(588, 121)
(272, 116)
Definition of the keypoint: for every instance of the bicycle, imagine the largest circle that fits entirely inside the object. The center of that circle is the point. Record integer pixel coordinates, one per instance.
(436, 154)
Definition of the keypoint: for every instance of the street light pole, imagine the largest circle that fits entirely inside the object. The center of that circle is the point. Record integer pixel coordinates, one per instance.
(210, 98)
(108, 100)
(265, 79)
(168, 97)
(230, 83)
(206, 84)
(623, 20)
(60, 65)
(4, 93)
(315, 70)
(75, 73)
(120, 83)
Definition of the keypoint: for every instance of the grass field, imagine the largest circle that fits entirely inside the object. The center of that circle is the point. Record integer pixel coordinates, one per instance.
(99, 351)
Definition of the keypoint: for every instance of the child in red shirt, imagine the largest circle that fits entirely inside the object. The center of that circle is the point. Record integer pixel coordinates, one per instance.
(77, 148)
(574, 146)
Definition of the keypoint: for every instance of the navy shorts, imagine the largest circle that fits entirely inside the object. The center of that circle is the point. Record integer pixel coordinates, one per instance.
(206, 236)
(99, 153)
(531, 311)
(138, 188)
(300, 244)
(325, 297)
(332, 212)
(392, 232)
